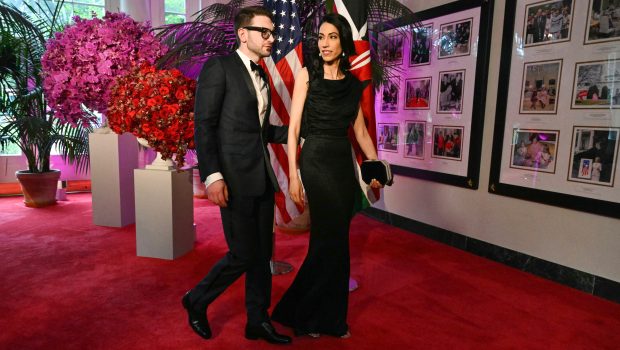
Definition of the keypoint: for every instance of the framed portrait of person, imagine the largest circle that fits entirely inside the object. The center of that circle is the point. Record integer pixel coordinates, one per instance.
(558, 146)
(391, 47)
(445, 95)
(547, 22)
(535, 150)
(597, 85)
(415, 139)
(455, 39)
(447, 142)
(450, 94)
(541, 87)
(389, 95)
(603, 23)
(594, 155)
(418, 93)
(421, 45)
(387, 137)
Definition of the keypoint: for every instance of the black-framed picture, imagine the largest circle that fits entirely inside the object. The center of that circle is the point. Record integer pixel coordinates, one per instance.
(541, 87)
(603, 22)
(594, 156)
(461, 33)
(391, 47)
(415, 139)
(450, 96)
(547, 22)
(389, 95)
(534, 150)
(455, 39)
(597, 85)
(571, 159)
(421, 45)
(418, 93)
(447, 142)
(387, 137)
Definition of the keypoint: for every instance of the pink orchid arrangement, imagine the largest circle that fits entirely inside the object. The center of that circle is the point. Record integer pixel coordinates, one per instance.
(81, 62)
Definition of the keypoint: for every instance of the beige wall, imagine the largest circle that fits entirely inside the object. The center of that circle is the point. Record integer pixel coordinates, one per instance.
(586, 242)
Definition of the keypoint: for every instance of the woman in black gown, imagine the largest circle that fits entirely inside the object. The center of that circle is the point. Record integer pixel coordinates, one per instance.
(328, 97)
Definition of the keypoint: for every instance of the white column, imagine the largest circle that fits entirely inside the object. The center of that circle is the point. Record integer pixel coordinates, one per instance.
(139, 10)
(113, 5)
(191, 7)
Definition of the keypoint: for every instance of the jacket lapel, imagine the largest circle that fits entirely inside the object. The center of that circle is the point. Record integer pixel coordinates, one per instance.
(245, 74)
(268, 111)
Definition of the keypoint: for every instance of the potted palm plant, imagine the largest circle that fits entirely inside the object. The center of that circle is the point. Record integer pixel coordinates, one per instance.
(27, 121)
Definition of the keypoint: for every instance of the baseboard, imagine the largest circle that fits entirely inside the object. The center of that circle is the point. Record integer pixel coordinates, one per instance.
(583, 281)
(73, 186)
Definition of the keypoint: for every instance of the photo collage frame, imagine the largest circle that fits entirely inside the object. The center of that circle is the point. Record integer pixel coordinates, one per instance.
(431, 113)
(557, 145)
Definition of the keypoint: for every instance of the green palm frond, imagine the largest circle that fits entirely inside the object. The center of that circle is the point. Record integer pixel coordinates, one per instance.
(387, 15)
(28, 121)
(210, 34)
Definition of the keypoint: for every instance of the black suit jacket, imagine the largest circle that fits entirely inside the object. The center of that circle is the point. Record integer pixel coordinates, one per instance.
(228, 135)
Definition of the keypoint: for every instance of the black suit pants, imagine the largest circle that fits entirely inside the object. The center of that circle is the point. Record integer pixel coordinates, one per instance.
(248, 228)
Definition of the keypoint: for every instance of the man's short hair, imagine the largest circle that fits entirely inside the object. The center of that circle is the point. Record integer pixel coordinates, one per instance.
(245, 15)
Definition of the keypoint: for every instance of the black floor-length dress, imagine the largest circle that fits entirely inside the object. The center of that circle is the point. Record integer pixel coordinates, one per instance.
(317, 301)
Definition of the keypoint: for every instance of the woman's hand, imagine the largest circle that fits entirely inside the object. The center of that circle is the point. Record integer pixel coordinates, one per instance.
(375, 184)
(296, 191)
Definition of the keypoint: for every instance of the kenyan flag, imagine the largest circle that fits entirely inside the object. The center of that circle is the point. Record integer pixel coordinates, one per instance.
(356, 12)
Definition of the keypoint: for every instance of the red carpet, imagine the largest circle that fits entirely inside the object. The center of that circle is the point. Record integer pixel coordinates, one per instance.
(67, 284)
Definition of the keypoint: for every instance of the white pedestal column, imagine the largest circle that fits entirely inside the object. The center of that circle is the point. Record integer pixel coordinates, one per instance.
(164, 213)
(112, 161)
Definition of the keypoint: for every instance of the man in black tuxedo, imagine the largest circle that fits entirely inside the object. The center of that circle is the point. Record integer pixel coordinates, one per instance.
(231, 133)
(540, 23)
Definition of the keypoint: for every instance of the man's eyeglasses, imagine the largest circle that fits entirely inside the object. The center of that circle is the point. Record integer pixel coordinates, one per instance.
(265, 33)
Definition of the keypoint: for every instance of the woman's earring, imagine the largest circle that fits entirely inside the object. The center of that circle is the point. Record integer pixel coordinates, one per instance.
(319, 54)
(343, 55)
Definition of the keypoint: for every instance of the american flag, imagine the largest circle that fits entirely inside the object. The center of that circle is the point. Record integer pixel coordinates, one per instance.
(285, 61)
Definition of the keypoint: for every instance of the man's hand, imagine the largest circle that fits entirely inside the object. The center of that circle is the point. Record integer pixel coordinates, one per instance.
(217, 193)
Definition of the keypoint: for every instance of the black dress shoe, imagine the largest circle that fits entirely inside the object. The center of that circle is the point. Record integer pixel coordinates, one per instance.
(197, 321)
(266, 331)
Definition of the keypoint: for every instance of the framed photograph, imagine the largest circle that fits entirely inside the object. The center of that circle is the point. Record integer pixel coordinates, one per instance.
(594, 155)
(421, 45)
(603, 22)
(541, 85)
(391, 47)
(415, 136)
(450, 96)
(387, 137)
(534, 150)
(547, 22)
(571, 159)
(597, 85)
(455, 39)
(418, 93)
(389, 95)
(441, 96)
(447, 142)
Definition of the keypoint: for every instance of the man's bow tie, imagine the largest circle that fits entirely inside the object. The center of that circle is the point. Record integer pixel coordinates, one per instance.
(256, 67)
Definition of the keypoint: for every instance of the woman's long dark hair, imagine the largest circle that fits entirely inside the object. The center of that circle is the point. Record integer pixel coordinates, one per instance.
(346, 42)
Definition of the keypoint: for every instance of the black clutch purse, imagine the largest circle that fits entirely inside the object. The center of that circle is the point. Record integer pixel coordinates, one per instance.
(377, 169)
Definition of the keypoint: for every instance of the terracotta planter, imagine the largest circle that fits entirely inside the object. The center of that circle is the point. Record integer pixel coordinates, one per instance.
(39, 188)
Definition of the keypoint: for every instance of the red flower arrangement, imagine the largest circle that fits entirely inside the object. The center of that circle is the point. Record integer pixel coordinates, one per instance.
(157, 105)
